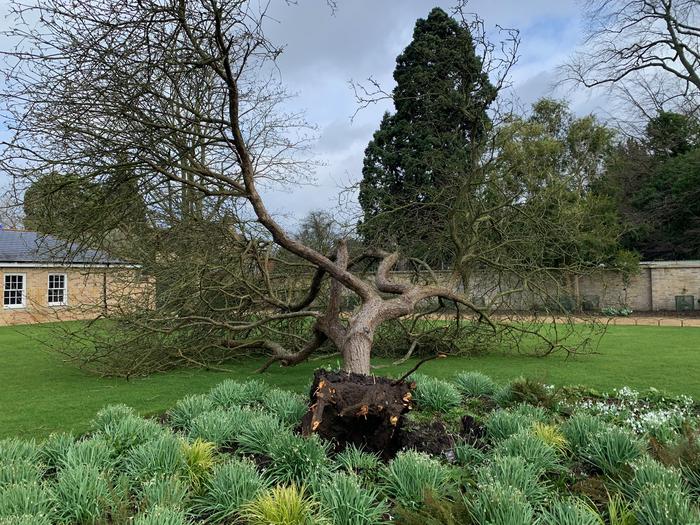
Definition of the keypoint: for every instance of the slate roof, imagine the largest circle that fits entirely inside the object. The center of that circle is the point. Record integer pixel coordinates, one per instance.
(31, 247)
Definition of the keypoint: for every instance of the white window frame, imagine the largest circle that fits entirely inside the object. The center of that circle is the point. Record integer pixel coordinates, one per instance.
(65, 289)
(24, 291)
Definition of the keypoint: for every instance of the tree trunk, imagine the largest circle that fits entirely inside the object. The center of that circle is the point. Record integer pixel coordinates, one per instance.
(356, 350)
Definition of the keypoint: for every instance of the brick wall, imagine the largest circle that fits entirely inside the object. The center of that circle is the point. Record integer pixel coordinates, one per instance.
(85, 294)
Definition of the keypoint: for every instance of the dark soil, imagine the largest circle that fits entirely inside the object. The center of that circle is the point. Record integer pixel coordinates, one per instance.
(362, 410)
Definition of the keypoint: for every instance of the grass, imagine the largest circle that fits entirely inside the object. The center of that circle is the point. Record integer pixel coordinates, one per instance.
(39, 393)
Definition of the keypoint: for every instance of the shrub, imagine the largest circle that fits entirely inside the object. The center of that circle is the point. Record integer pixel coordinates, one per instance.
(288, 407)
(283, 506)
(187, 409)
(347, 503)
(354, 460)
(168, 491)
(161, 516)
(129, 432)
(220, 427)
(499, 505)
(662, 505)
(541, 456)
(516, 473)
(435, 395)
(162, 457)
(410, 475)
(199, 460)
(230, 486)
(15, 449)
(570, 512)
(95, 452)
(54, 449)
(613, 450)
(19, 472)
(551, 435)
(257, 434)
(21, 499)
(475, 384)
(503, 424)
(297, 459)
(579, 430)
(81, 495)
(111, 415)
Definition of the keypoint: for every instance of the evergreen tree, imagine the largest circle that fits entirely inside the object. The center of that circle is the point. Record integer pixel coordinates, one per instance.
(430, 143)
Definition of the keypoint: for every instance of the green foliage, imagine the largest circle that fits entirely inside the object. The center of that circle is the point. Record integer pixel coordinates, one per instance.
(441, 92)
(170, 492)
(21, 471)
(550, 434)
(613, 450)
(220, 426)
(663, 505)
(129, 432)
(518, 474)
(19, 499)
(410, 475)
(499, 505)
(95, 452)
(258, 433)
(53, 449)
(435, 395)
(283, 506)
(354, 460)
(199, 458)
(475, 384)
(346, 502)
(230, 393)
(15, 449)
(571, 512)
(648, 472)
(162, 516)
(580, 428)
(297, 459)
(468, 455)
(540, 455)
(187, 409)
(502, 424)
(112, 415)
(81, 495)
(231, 485)
(289, 408)
(161, 457)
(525, 390)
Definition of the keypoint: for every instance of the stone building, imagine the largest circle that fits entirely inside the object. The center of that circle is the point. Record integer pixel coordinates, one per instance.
(44, 279)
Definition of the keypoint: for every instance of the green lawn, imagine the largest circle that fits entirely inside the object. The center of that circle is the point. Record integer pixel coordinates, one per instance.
(40, 394)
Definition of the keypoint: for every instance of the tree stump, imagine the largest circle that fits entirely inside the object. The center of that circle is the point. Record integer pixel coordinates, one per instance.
(356, 409)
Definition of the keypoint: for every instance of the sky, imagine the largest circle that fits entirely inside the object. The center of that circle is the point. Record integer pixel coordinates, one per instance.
(324, 51)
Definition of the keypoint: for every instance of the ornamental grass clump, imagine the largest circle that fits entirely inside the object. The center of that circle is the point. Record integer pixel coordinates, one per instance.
(570, 512)
(541, 456)
(111, 415)
(20, 471)
(468, 455)
(15, 449)
(663, 505)
(297, 459)
(346, 502)
(53, 450)
(231, 485)
(94, 451)
(162, 516)
(550, 434)
(282, 505)
(187, 409)
(20, 499)
(518, 474)
(498, 505)
(199, 456)
(219, 426)
(162, 457)
(613, 450)
(475, 384)
(288, 407)
(502, 424)
(124, 434)
(258, 432)
(435, 395)
(410, 475)
(163, 491)
(26, 519)
(354, 460)
(580, 428)
(81, 495)
(230, 393)
(649, 472)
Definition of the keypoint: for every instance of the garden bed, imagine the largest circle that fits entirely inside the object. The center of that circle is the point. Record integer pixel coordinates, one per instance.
(469, 452)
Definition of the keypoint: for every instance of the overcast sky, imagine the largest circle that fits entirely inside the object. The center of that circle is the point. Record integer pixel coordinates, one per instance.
(324, 51)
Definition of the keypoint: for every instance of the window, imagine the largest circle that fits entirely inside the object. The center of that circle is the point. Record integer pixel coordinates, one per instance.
(57, 289)
(13, 294)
